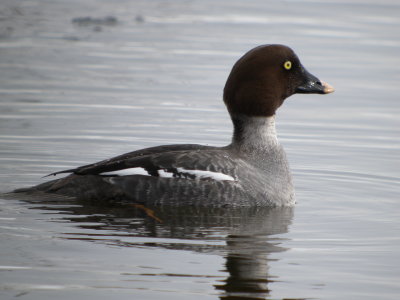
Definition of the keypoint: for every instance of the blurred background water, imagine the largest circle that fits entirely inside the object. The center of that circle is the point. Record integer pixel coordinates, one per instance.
(86, 80)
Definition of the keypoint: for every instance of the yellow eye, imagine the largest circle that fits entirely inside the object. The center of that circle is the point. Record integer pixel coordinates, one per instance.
(287, 65)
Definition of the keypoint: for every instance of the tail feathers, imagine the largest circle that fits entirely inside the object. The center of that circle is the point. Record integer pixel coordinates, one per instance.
(89, 187)
(60, 172)
(43, 187)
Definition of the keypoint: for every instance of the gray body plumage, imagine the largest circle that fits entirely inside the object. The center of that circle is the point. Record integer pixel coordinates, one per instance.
(255, 160)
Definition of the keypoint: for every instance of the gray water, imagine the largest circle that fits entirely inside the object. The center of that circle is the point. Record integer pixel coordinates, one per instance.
(75, 90)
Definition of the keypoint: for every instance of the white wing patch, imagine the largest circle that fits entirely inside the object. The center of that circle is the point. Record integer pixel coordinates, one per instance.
(126, 172)
(163, 173)
(207, 174)
(181, 172)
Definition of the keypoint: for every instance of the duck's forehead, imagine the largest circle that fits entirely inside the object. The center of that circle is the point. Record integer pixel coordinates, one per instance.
(275, 48)
(279, 51)
(271, 53)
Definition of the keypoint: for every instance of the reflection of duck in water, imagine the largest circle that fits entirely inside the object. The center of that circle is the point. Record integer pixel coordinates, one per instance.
(247, 254)
(251, 235)
(252, 170)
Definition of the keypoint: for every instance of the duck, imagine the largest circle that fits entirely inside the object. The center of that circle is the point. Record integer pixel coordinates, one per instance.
(252, 170)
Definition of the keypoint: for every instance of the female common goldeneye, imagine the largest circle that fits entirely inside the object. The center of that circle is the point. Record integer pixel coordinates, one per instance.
(252, 170)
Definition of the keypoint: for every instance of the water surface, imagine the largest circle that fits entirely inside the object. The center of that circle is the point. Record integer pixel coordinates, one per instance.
(76, 88)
